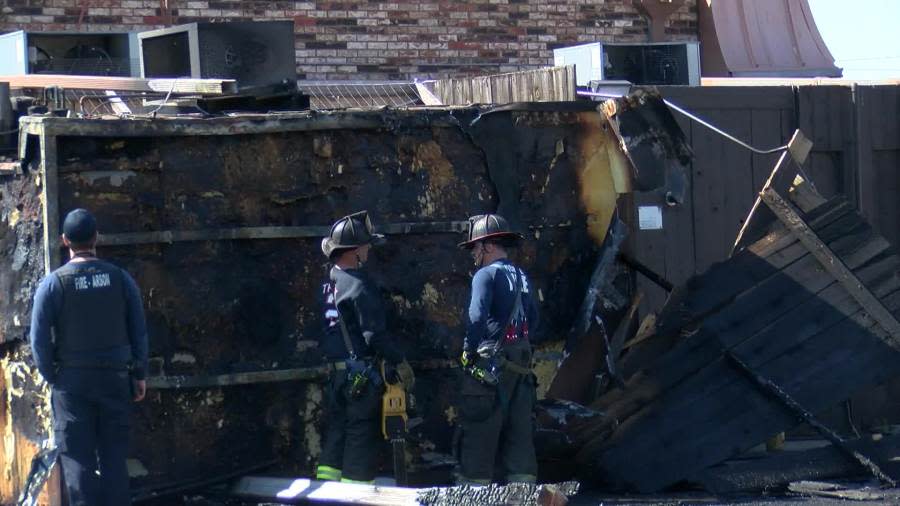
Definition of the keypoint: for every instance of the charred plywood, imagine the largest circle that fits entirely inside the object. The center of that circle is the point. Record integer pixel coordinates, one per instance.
(20, 246)
(219, 220)
(810, 307)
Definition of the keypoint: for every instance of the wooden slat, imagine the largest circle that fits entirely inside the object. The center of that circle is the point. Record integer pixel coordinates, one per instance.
(868, 175)
(170, 236)
(50, 196)
(791, 219)
(270, 376)
(702, 100)
(245, 378)
(735, 417)
(715, 414)
(741, 321)
(708, 297)
(301, 490)
(554, 84)
(235, 125)
(179, 86)
(723, 283)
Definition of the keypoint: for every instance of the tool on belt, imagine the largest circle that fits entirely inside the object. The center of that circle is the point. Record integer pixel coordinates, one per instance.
(488, 350)
(358, 371)
(393, 423)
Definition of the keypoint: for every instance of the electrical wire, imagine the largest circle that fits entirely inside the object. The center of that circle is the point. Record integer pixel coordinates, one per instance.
(165, 101)
(698, 120)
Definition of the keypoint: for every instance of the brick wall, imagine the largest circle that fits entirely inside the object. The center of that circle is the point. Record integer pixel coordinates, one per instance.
(402, 39)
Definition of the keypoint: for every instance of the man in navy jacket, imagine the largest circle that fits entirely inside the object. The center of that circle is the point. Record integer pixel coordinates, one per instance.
(89, 341)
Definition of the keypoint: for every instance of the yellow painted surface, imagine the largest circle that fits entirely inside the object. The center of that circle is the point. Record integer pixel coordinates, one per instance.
(545, 370)
(604, 174)
(17, 451)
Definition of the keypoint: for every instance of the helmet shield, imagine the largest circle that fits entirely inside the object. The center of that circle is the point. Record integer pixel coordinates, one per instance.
(350, 232)
(488, 226)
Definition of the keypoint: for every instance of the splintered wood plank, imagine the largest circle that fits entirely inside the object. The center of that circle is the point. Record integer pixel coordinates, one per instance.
(719, 286)
(723, 281)
(696, 351)
(781, 468)
(766, 303)
(817, 373)
(789, 215)
(295, 491)
(848, 235)
(689, 432)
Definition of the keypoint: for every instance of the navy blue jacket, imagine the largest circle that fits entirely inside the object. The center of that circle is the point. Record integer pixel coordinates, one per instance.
(353, 295)
(89, 312)
(493, 298)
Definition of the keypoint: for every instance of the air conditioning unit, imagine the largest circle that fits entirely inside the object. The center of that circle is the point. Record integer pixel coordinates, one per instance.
(70, 53)
(656, 63)
(255, 53)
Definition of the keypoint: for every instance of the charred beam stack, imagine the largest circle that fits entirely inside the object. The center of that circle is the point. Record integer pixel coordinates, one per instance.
(811, 308)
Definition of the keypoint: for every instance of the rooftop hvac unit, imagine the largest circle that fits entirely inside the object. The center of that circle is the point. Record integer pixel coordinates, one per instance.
(69, 53)
(253, 53)
(658, 63)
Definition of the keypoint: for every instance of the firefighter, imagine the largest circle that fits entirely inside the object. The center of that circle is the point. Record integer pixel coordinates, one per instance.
(89, 341)
(498, 387)
(354, 338)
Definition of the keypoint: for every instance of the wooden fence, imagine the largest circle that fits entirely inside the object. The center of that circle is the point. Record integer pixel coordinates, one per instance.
(554, 84)
(856, 152)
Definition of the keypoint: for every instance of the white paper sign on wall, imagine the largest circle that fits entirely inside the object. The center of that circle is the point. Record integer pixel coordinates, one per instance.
(650, 218)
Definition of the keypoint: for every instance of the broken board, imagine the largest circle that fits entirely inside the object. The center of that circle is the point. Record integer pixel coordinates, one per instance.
(809, 306)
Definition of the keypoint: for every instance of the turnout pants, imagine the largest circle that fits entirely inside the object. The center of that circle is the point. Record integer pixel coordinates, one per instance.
(352, 432)
(497, 425)
(91, 415)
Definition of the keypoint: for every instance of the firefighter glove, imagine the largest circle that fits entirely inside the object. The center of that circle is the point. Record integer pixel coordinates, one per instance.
(406, 375)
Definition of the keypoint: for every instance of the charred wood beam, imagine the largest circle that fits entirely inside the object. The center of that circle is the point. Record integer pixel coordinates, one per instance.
(302, 490)
(177, 487)
(781, 468)
(170, 236)
(242, 124)
(614, 349)
(294, 491)
(241, 378)
(647, 272)
(788, 214)
(523, 494)
(10, 168)
(775, 391)
(798, 149)
(268, 376)
(833, 490)
(179, 86)
(600, 277)
(50, 196)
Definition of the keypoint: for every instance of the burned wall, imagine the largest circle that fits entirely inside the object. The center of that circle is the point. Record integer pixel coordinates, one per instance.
(24, 417)
(21, 245)
(229, 306)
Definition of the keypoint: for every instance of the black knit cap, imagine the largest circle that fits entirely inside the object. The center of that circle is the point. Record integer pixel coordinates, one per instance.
(79, 226)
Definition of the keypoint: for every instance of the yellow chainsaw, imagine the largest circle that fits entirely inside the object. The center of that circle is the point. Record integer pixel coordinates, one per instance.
(393, 423)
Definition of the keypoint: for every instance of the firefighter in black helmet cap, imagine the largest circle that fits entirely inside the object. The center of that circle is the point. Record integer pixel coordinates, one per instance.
(355, 336)
(498, 387)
